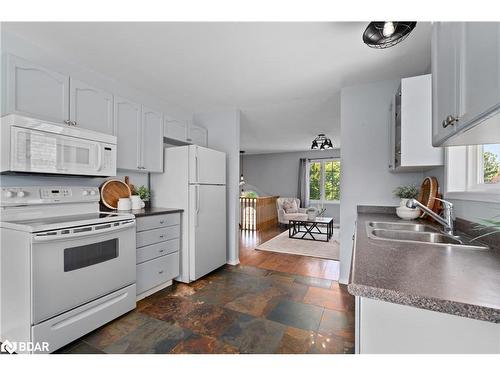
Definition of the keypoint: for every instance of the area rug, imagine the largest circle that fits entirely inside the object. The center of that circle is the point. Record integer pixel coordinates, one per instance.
(319, 249)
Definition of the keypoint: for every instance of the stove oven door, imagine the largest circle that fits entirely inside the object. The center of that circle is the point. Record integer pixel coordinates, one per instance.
(77, 265)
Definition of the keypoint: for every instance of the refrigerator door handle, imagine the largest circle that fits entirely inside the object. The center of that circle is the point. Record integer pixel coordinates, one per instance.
(197, 209)
(197, 174)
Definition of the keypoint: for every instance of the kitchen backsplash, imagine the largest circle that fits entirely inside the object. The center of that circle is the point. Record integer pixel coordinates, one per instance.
(137, 179)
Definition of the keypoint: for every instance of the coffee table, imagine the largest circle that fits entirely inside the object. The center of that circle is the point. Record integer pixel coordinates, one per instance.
(305, 229)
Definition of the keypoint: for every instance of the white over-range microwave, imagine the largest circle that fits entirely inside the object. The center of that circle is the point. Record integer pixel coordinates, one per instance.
(37, 146)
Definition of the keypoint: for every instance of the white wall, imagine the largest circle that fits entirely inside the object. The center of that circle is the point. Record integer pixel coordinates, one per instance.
(224, 135)
(365, 176)
(278, 173)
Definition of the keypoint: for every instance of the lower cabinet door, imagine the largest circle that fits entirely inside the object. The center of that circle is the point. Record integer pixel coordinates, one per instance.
(157, 271)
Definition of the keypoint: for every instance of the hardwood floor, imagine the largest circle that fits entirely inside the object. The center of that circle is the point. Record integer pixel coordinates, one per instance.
(297, 264)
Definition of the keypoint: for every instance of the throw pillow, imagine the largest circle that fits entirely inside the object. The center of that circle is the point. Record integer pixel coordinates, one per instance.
(290, 206)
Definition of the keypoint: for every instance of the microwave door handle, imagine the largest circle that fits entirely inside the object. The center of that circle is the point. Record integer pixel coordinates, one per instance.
(62, 237)
(99, 157)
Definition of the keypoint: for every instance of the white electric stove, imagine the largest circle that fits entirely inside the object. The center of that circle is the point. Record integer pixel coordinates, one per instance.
(66, 267)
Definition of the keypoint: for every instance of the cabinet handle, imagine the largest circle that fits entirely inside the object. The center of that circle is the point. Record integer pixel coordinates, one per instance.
(162, 221)
(161, 236)
(160, 272)
(450, 120)
(162, 250)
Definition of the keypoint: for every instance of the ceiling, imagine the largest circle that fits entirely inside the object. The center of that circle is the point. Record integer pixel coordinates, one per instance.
(284, 77)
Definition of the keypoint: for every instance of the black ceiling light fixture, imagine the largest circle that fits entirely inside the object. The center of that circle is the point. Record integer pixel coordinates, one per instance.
(385, 34)
(321, 142)
(242, 179)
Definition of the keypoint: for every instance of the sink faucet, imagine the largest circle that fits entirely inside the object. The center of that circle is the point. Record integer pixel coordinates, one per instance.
(446, 220)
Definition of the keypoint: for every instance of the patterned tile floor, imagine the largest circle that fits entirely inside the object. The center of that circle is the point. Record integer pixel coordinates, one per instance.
(271, 303)
(240, 309)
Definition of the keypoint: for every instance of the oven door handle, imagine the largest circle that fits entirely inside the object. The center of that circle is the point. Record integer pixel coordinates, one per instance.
(40, 237)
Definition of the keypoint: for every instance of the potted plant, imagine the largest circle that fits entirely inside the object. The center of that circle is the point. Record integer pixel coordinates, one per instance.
(144, 193)
(404, 193)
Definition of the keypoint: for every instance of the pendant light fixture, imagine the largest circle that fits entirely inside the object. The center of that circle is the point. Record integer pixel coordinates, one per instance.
(385, 34)
(321, 142)
(242, 179)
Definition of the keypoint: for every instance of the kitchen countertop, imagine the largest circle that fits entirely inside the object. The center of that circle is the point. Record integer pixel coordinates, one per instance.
(150, 211)
(464, 282)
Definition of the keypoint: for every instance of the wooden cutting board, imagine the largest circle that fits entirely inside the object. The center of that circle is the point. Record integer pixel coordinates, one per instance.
(428, 192)
(112, 190)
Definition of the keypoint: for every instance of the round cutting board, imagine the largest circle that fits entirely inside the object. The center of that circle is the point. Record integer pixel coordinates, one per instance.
(112, 190)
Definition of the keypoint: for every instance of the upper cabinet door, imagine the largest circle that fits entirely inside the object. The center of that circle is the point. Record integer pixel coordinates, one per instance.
(90, 107)
(127, 119)
(152, 140)
(175, 129)
(35, 91)
(480, 68)
(466, 83)
(445, 79)
(198, 135)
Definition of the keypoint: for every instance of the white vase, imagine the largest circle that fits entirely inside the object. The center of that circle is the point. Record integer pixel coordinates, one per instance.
(407, 213)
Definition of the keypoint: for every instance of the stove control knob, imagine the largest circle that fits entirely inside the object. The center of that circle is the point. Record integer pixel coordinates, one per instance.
(85, 193)
(9, 194)
(92, 192)
(21, 194)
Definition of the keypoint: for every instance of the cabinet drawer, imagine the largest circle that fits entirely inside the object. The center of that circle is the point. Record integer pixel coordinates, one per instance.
(157, 271)
(157, 221)
(157, 250)
(150, 237)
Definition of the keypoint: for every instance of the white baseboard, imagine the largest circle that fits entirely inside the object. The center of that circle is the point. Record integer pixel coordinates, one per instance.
(234, 262)
(153, 290)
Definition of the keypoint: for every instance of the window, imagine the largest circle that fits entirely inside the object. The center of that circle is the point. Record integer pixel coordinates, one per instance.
(473, 172)
(324, 180)
(490, 164)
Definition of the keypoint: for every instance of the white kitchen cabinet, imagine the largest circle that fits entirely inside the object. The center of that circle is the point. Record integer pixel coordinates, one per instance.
(140, 136)
(411, 127)
(158, 257)
(445, 78)
(466, 83)
(175, 130)
(90, 107)
(197, 135)
(151, 140)
(127, 127)
(35, 91)
(389, 328)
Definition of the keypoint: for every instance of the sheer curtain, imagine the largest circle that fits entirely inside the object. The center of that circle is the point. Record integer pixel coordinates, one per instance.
(303, 184)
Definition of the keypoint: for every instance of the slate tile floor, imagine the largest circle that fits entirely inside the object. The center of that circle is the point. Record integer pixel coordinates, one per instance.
(235, 309)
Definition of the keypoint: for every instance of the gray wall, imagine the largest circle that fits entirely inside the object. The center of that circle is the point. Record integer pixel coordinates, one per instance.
(278, 174)
(365, 175)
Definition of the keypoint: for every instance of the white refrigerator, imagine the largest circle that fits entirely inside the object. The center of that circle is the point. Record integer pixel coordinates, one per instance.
(195, 181)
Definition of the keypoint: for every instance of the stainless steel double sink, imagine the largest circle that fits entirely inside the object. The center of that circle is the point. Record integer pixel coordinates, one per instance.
(420, 233)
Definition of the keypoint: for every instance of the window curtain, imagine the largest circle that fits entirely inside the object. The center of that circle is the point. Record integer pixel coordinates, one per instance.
(303, 185)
